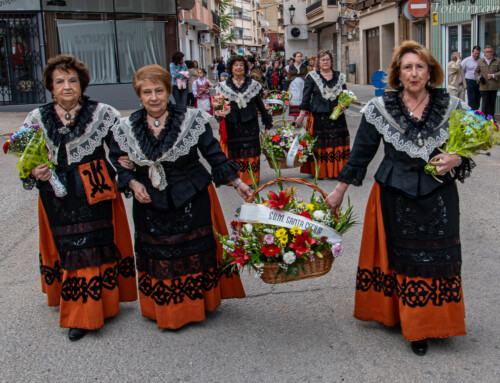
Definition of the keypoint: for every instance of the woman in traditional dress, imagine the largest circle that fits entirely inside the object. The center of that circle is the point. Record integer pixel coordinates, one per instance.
(86, 255)
(175, 205)
(321, 91)
(311, 63)
(201, 90)
(296, 75)
(274, 77)
(410, 259)
(241, 126)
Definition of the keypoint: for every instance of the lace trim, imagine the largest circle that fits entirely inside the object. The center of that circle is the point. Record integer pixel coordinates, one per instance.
(242, 99)
(191, 129)
(103, 118)
(376, 115)
(326, 92)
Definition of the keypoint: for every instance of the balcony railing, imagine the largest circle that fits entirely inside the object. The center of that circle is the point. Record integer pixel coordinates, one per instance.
(313, 6)
(216, 19)
(331, 2)
(247, 37)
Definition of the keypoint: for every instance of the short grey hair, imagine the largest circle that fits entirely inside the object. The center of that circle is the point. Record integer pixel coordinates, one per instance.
(454, 55)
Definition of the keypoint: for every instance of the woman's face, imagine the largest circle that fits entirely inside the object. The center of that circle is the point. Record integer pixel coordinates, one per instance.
(312, 61)
(276, 64)
(298, 58)
(66, 86)
(413, 72)
(154, 97)
(325, 63)
(238, 68)
(195, 64)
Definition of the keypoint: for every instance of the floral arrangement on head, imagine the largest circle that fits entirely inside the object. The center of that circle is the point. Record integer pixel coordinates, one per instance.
(252, 245)
(346, 98)
(222, 107)
(278, 142)
(470, 132)
(28, 143)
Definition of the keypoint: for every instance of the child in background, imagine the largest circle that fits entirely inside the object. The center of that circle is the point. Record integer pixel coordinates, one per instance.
(201, 91)
(223, 76)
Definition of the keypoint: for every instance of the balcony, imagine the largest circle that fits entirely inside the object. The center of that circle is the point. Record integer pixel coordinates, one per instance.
(216, 22)
(199, 17)
(322, 13)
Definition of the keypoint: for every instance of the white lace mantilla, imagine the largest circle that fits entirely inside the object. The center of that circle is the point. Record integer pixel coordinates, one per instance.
(242, 99)
(326, 92)
(376, 114)
(103, 118)
(193, 126)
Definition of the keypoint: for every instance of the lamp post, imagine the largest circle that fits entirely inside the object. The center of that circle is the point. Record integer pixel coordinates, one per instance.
(292, 13)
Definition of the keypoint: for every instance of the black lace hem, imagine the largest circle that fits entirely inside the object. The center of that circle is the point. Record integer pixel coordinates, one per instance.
(154, 147)
(412, 293)
(326, 143)
(89, 257)
(352, 175)
(29, 182)
(431, 117)
(53, 123)
(464, 170)
(235, 154)
(224, 173)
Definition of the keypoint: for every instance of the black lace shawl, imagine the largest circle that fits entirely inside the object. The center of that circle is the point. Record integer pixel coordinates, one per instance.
(154, 147)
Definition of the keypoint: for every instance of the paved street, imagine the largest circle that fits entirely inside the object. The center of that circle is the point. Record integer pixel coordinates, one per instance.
(296, 332)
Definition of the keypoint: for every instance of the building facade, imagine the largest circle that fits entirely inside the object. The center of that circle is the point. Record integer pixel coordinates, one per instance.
(113, 38)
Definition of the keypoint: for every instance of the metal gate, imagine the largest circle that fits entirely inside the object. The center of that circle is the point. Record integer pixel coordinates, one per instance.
(20, 60)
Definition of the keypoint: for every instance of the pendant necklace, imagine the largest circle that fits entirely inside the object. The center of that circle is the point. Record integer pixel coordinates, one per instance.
(420, 103)
(238, 82)
(67, 116)
(157, 119)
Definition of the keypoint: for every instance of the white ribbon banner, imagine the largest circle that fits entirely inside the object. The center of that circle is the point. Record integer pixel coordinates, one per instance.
(294, 148)
(253, 213)
(278, 102)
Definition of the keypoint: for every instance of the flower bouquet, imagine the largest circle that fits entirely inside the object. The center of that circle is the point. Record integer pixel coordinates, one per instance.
(28, 143)
(222, 107)
(346, 98)
(470, 132)
(285, 238)
(276, 102)
(287, 147)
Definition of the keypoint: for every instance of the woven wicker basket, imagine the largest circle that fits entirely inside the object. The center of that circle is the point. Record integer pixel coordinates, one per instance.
(312, 269)
(276, 112)
(281, 162)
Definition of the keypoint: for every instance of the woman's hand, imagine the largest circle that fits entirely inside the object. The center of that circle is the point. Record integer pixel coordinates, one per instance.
(125, 162)
(42, 172)
(444, 162)
(244, 191)
(140, 193)
(300, 119)
(334, 199)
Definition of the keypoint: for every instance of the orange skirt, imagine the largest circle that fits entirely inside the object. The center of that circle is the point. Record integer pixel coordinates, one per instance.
(245, 164)
(87, 296)
(425, 307)
(163, 300)
(330, 160)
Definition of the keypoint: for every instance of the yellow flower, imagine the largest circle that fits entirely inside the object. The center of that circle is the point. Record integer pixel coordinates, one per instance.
(295, 230)
(310, 206)
(302, 204)
(284, 241)
(280, 233)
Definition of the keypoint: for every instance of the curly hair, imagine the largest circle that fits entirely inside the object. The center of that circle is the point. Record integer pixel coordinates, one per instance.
(322, 53)
(177, 57)
(410, 46)
(154, 73)
(235, 59)
(65, 63)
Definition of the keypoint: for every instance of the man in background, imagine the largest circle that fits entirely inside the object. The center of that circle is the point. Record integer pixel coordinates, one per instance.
(456, 76)
(488, 75)
(469, 65)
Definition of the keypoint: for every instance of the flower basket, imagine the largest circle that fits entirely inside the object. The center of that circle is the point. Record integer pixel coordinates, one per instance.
(279, 155)
(285, 239)
(275, 102)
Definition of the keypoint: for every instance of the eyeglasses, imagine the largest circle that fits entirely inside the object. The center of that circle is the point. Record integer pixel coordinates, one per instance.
(325, 60)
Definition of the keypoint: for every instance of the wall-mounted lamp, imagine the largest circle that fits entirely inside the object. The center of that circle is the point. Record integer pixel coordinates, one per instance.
(292, 13)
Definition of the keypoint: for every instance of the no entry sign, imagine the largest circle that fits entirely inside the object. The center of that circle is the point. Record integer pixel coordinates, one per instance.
(418, 8)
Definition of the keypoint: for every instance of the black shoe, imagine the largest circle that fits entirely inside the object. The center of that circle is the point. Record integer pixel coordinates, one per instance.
(419, 347)
(76, 333)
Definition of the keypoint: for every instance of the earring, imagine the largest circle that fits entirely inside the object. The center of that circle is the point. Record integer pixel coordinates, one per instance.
(400, 84)
(429, 84)
(140, 104)
(55, 98)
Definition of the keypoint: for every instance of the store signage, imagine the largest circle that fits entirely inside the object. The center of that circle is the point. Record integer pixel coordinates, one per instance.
(434, 18)
(19, 5)
(418, 8)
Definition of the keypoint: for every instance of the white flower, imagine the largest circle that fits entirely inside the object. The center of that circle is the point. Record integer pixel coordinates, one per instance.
(289, 257)
(248, 227)
(269, 231)
(318, 215)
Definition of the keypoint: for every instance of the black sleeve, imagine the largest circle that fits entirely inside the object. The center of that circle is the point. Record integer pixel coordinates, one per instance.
(223, 170)
(267, 120)
(364, 149)
(307, 94)
(124, 175)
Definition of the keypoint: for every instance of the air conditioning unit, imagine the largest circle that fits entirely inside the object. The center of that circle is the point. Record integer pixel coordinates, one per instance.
(204, 38)
(296, 32)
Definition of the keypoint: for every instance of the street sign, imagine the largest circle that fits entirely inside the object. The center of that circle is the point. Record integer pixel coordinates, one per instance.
(418, 8)
(434, 18)
(379, 80)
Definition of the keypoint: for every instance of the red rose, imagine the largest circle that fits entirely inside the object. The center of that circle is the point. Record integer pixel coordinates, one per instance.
(305, 214)
(6, 147)
(275, 138)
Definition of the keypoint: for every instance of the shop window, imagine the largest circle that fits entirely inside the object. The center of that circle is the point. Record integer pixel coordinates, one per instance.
(93, 42)
(139, 43)
(145, 6)
(490, 24)
(78, 5)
